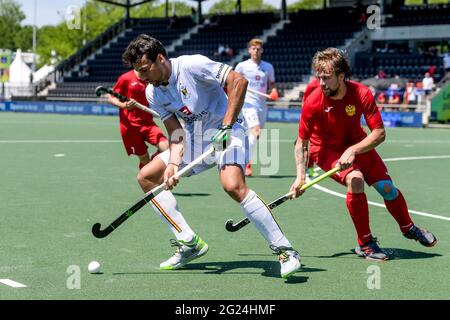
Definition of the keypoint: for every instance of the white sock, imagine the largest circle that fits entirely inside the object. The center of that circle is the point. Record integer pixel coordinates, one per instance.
(261, 217)
(166, 206)
(252, 140)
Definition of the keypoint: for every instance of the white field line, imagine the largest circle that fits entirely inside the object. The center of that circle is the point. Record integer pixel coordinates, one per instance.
(260, 141)
(59, 141)
(376, 204)
(12, 283)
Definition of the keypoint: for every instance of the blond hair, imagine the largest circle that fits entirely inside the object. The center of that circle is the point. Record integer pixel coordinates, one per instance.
(255, 42)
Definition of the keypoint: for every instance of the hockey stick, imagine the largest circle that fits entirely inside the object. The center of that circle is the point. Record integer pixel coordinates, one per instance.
(265, 95)
(100, 89)
(235, 227)
(96, 228)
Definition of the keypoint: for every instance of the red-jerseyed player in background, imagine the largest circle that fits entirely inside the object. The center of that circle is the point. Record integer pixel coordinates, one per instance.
(136, 125)
(331, 123)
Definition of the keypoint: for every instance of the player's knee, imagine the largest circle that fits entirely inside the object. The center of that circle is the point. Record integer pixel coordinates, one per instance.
(386, 189)
(355, 181)
(144, 180)
(235, 190)
(141, 179)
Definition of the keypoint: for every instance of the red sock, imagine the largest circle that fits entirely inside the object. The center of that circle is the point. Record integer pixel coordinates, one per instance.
(141, 165)
(399, 210)
(359, 212)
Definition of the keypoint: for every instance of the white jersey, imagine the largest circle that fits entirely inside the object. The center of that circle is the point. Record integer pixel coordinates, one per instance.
(194, 93)
(258, 76)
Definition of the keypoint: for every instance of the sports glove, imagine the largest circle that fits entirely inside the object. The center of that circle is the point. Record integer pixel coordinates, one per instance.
(274, 95)
(221, 137)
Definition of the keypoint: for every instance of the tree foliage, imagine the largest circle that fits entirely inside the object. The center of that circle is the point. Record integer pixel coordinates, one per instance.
(306, 5)
(158, 10)
(229, 6)
(11, 16)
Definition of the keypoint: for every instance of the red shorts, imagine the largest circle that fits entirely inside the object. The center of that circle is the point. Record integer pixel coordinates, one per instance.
(370, 164)
(134, 138)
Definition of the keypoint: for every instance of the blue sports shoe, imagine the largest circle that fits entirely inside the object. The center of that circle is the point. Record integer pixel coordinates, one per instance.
(371, 251)
(425, 237)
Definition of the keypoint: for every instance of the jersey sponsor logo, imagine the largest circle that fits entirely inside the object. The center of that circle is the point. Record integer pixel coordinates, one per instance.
(220, 71)
(328, 109)
(185, 110)
(350, 110)
(193, 117)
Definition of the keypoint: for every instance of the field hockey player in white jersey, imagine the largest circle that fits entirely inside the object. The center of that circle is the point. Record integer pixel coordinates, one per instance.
(191, 88)
(261, 76)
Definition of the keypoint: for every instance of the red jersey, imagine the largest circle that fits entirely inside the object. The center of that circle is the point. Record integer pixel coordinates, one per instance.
(131, 86)
(336, 124)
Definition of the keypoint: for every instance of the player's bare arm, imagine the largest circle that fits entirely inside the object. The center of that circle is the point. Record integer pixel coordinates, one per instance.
(177, 140)
(301, 154)
(236, 86)
(370, 142)
(130, 104)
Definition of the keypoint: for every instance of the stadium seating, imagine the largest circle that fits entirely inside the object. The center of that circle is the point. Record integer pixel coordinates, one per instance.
(105, 67)
(420, 15)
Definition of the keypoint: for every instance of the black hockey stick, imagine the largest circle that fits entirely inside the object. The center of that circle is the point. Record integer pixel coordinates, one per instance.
(100, 89)
(96, 228)
(239, 225)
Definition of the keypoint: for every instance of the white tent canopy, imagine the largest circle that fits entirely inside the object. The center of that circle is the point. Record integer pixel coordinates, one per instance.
(19, 71)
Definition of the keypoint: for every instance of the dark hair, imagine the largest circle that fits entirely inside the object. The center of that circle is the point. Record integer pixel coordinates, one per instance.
(143, 45)
(333, 57)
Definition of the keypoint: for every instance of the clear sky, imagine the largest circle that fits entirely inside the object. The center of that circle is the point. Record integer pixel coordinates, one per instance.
(52, 12)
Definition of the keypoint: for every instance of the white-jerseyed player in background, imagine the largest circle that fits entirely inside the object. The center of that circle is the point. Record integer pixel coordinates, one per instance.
(261, 76)
(192, 88)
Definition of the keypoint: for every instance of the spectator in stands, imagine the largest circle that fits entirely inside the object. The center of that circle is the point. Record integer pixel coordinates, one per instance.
(173, 22)
(432, 70)
(137, 126)
(194, 15)
(381, 98)
(261, 77)
(330, 135)
(446, 61)
(410, 96)
(229, 51)
(433, 51)
(393, 94)
(427, 84)
(362, 19)
(85, 71)
(381, 74)
(221, 52)
(395, 98)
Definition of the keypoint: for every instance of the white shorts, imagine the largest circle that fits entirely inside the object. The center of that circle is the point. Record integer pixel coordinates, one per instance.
(254, 116)
(235, 153)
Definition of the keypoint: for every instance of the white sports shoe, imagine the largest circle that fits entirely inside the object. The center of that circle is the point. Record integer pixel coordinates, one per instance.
(289, 260)
(185, 253)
